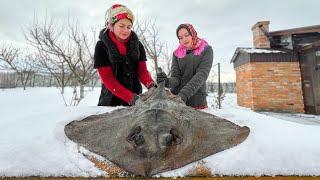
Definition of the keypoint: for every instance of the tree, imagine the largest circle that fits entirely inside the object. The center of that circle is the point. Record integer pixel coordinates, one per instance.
(81, 61)
(148, 33)
(219, 97)
(166, 60)
(23, 65)
(65, 51)
(46, 38)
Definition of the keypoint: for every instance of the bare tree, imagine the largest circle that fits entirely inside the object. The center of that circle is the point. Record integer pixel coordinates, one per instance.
(148, 33)
(93, 82)
(81, 61)
(46, 38)
(23, 65)
(219, 97)
(65, 51)
(166, 60)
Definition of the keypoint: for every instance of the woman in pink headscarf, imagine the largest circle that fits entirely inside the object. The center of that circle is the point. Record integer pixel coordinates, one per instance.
(191, 64)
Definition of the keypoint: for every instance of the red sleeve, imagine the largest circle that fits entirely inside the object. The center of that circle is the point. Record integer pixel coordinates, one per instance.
(113, 85)
(144, 74)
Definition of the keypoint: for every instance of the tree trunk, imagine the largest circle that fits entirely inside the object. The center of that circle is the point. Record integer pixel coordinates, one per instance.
(81, 91)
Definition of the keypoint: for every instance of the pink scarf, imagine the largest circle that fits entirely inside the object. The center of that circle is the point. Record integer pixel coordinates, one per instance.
(181, 51)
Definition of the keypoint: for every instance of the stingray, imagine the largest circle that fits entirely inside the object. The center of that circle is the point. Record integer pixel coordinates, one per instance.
(158, 134)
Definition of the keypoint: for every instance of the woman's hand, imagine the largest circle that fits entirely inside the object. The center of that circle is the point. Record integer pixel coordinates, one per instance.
(162, 77)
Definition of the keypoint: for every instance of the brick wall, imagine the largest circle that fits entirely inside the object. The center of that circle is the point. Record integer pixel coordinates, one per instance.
(244, 85)
(270, 86)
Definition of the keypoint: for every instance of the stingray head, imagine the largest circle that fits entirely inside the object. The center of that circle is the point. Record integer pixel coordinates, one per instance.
(153, 134)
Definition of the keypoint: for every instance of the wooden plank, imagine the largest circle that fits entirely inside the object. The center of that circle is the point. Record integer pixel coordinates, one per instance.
(182, 178)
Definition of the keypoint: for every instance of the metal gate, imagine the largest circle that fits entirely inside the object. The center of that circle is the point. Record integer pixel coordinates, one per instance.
(310, 73)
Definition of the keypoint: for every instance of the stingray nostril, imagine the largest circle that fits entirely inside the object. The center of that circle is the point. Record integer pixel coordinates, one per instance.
(138, 140)
(176, 138)
(135, 136)
(168, 140)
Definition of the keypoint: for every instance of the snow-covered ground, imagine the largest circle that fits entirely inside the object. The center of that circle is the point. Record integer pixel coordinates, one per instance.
(33, 143)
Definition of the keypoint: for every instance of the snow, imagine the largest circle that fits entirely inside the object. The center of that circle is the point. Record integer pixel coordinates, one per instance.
(33, 143)
(256, 50)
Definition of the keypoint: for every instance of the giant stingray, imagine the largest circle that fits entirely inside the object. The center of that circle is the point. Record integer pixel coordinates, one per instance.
(158, 134)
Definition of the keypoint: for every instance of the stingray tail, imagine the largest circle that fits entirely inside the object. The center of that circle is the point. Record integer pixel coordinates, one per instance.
(161, 92)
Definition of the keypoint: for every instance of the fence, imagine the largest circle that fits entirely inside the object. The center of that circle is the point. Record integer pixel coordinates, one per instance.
(10, 79)
(227, 87)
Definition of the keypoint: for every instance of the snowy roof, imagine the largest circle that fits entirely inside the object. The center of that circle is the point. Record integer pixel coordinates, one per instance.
(259, 50)
(307, 29)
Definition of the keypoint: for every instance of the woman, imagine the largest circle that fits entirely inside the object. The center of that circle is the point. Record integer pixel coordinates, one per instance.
(191, 64)
(120, 59)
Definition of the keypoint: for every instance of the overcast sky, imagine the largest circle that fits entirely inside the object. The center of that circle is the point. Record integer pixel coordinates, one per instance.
(225, 24)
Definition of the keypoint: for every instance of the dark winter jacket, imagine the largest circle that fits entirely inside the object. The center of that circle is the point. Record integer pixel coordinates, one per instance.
(124, 67)
(189, 74)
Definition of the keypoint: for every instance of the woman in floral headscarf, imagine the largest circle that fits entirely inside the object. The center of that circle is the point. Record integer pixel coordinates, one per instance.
(191, 64)
(120, 59)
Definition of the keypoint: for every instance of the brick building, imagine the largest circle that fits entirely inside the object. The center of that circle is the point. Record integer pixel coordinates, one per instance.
(281, 72)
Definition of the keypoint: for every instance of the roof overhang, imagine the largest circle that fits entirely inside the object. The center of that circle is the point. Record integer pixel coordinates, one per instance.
(302, 30)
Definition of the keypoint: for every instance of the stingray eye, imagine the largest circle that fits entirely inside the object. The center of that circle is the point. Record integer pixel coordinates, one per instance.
(135, 136)
(176, 138)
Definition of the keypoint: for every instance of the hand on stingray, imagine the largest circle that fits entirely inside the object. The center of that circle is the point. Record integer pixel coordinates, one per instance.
(176, 98)
(145, 96)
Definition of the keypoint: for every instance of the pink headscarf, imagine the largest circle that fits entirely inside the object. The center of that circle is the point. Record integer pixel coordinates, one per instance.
(198, 44)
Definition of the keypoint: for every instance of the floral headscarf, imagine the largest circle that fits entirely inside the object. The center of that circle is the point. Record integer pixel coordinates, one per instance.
(117, 12)
(192, 32)
(198, 45)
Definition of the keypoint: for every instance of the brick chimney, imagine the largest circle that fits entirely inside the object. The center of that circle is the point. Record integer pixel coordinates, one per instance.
(260, 40)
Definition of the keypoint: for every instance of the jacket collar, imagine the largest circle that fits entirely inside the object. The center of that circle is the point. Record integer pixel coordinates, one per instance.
(181, 51)
(114, 54)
